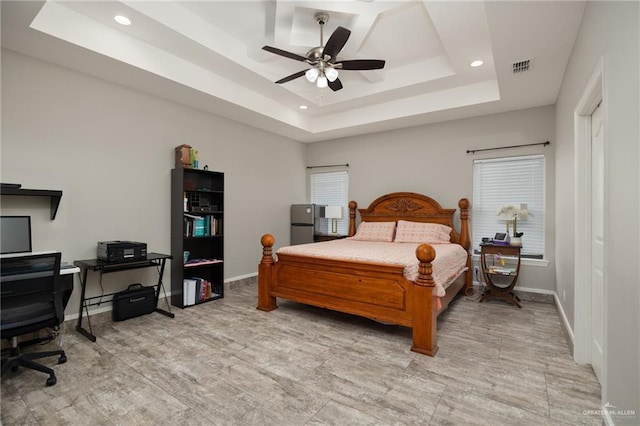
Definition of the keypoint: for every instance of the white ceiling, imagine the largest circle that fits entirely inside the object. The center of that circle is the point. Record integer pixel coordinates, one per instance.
(207, 54)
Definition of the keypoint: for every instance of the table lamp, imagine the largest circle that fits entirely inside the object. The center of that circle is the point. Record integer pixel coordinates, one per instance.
(334, 213)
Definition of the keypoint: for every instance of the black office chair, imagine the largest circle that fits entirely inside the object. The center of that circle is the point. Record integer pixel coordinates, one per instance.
(32, 294)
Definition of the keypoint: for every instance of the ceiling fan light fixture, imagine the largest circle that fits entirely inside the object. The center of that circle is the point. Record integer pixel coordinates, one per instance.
(312, 74)
(322, 82)
(322, 58)
(331, 74)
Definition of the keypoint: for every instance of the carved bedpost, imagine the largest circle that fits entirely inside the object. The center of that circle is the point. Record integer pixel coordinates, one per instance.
(266, 302)
(424, 318)
(465, 237)
(465, 241)
(352, 218)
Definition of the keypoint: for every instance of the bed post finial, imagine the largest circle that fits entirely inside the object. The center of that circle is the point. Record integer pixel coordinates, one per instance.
(352, 217)
(266, 302)
(267, 242)
(425, 254)
(424, 304)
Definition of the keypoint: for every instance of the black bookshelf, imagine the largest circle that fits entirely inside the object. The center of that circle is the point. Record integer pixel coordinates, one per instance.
(197, 218)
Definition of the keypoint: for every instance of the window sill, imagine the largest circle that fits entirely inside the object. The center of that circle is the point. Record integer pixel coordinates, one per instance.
(543, 263)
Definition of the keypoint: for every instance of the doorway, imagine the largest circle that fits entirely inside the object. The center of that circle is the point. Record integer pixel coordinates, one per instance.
(590, 321)
(597, 240)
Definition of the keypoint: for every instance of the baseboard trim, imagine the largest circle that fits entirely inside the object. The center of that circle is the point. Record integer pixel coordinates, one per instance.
(534, 290)
(565, 321)
(518, 288)
(241, 277)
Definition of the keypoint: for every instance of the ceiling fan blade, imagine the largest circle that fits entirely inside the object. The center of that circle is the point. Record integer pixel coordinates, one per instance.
(361, 64)
(335, 85)
(336, 42)
(284, 53)
(291, 77)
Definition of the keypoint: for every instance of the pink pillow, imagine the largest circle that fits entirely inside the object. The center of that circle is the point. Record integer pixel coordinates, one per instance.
(418, 232)
(375, 231)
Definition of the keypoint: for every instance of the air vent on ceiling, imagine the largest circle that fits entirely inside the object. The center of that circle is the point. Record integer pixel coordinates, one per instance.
(521, 66)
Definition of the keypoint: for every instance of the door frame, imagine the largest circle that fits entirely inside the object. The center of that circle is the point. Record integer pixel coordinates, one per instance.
(592, 95)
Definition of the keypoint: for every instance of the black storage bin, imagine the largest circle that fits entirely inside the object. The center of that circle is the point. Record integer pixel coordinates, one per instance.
(136, 300)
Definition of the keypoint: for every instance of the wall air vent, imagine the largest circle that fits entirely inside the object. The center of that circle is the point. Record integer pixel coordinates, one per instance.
(521, 66)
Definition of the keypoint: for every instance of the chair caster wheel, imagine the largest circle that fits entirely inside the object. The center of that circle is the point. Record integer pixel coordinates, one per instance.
(51, 381)
(62, 359)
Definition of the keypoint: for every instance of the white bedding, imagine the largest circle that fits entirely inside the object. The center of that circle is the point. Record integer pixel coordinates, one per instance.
(450, 261)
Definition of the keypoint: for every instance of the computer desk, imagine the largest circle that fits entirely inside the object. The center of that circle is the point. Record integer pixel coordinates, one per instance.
(156, 260)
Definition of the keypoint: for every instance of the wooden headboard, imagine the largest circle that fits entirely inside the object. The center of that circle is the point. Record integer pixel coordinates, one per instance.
(416, 208)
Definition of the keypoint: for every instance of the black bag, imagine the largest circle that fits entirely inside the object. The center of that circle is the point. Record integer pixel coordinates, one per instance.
(136, 300)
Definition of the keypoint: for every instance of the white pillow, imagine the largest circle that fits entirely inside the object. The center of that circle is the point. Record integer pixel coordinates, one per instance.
(375, 231)
(418, 232)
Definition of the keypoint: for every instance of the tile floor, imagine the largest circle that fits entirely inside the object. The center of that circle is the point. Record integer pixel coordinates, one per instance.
(226, 363)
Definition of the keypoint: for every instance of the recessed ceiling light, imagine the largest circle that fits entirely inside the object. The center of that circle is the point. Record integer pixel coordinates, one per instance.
(122, 20)
(476, 63)
(303, 107)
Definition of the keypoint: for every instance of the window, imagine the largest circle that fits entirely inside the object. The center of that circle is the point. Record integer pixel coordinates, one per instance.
(503, 181)
(332, 189)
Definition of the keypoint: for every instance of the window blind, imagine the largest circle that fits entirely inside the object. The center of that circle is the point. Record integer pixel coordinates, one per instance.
(332, 189)
(503, 181)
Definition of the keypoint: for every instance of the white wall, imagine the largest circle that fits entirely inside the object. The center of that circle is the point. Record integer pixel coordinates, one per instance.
(432, 160)
(609, 31)
(110, 150)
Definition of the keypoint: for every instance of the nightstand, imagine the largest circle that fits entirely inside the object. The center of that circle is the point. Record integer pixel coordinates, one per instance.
(500, 279)
(327, 237)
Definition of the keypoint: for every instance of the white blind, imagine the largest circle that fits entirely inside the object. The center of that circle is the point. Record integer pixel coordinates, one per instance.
(509, 181)
(332, 189)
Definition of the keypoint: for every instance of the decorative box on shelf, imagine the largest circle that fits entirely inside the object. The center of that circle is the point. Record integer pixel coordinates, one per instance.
(183, 156)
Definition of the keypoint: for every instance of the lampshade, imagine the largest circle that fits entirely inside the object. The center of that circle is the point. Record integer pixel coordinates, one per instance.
(331, 73)
(333, 212)
(312, 74)
(322, 82)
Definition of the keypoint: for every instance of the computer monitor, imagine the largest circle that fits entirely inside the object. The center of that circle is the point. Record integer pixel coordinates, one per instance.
(15, 234)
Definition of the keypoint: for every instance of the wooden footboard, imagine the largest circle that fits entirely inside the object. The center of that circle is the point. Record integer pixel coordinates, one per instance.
(371, 290)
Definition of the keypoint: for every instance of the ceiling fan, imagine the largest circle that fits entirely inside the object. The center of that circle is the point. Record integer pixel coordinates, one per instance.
(324, 59)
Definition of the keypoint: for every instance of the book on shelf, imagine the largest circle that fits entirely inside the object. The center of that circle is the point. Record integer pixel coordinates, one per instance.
(201, 226)
(189, 292)
(197, 290)
(501, 270)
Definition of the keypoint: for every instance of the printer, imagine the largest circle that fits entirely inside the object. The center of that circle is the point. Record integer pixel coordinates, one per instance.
(121, 251)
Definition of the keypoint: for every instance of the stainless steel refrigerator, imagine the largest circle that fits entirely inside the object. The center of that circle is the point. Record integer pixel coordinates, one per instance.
(305, 219)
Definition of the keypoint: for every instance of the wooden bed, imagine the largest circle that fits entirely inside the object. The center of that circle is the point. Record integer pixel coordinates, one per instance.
(372, 290)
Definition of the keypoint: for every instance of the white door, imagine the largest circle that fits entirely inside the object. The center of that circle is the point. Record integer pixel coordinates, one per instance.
(597, 241)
